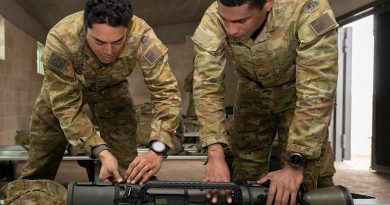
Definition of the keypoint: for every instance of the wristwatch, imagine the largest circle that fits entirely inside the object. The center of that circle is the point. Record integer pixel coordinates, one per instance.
(159, 147)
(296, 159)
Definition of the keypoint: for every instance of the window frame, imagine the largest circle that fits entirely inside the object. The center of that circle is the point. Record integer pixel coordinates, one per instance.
(40, 47)
(2, 38)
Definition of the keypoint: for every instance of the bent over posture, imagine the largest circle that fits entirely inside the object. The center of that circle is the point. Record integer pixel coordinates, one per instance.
(285, 55)
(87, 59)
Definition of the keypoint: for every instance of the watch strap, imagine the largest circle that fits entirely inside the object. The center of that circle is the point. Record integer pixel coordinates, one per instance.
(296, 159)
(164, 152)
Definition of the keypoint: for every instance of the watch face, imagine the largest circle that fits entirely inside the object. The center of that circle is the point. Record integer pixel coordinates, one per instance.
(296, 159)
(158, 146)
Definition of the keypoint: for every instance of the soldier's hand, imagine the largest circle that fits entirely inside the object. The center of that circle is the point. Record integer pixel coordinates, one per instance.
(284, 185)
(217, 171)
(143, 167)
(109, 170)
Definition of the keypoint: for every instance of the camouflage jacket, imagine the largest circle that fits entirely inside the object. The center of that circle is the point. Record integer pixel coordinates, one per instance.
(297, 43)
(69, 65)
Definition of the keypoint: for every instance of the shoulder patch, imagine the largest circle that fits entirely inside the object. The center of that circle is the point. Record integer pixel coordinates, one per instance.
(58, 62)
(153, 55)
(322, 24)
(311, 6)
(203, 37)
(207, 39)
(145, 40)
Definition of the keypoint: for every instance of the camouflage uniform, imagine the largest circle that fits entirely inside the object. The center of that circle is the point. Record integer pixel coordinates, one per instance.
(33, 192)
(144, 119)
(188, 84)
(286, 85)
(74, 78)
(327, 169)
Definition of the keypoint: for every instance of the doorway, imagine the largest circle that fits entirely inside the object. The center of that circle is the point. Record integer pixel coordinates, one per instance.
(352, 128)
(362, 88)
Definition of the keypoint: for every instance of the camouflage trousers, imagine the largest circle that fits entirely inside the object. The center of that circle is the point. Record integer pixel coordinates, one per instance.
(260, 113)
(112, 111)
(327, 169)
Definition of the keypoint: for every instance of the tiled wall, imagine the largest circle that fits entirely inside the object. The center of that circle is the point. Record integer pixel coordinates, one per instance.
(19, 82)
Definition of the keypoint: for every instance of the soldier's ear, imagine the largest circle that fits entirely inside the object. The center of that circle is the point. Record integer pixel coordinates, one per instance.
(268, 5)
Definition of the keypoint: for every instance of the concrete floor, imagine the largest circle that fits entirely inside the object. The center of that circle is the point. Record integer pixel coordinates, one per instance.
(358, 178)
(355, 175)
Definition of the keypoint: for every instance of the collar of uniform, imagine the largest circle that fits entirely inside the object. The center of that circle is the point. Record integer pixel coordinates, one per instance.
(269, 27)
(129, 41)
(86, 50)
(125, 49)
(91, 59)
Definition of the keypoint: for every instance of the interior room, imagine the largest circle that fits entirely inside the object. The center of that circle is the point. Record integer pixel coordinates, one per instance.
(359, 128)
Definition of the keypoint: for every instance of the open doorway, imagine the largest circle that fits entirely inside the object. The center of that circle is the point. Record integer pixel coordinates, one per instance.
(361, 92)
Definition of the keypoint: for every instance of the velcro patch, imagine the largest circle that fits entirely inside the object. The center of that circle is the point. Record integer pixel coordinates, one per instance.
(58, 62)
(153, 55)
(145, 40)
(323, 24)
(311, 6)
(207, 40)
(203, 37)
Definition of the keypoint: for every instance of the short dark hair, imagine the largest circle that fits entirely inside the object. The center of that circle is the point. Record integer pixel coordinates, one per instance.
(112, 12)
(252, 3)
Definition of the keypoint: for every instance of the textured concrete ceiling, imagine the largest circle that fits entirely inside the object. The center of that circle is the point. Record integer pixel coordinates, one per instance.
(155, 12)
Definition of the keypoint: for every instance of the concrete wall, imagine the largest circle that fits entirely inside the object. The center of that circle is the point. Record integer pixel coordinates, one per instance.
(180, 60)
(19, 82)
(15, 14)
(175, 33)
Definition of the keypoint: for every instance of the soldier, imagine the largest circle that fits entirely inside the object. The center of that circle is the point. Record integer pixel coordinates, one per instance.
(285, 55)
(188, 84)
(87, 58)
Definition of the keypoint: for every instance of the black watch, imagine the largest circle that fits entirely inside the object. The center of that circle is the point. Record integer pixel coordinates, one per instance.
(159, 148)
(296, 159)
